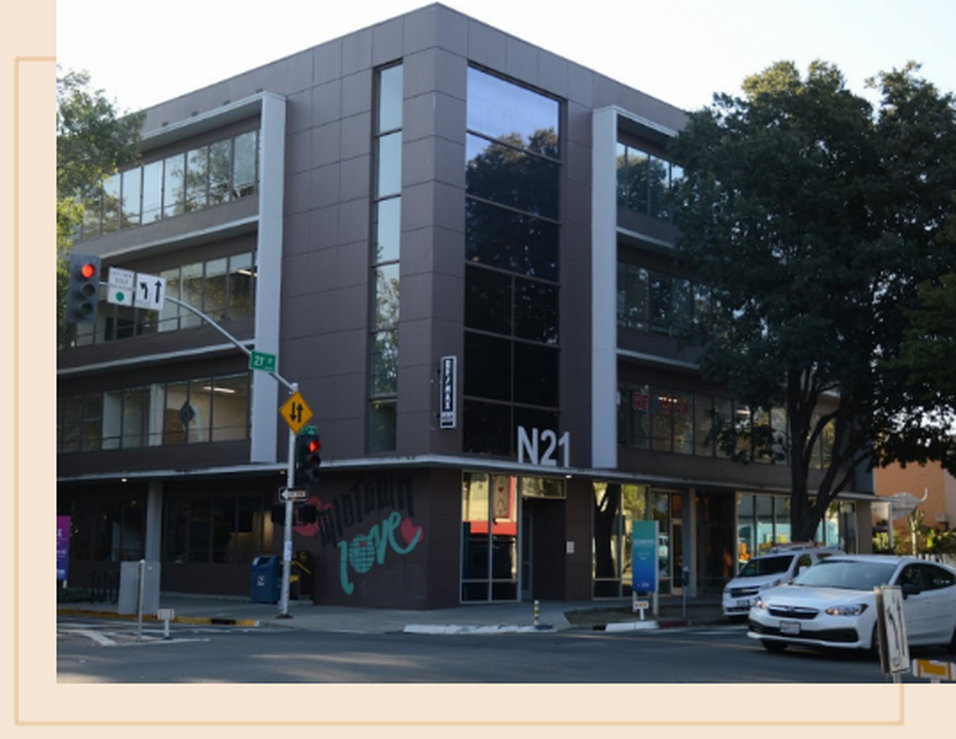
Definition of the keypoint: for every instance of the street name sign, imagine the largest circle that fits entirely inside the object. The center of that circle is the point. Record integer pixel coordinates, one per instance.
(262, 361)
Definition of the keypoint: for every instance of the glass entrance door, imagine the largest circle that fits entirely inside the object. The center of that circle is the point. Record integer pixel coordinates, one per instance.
(527, 547)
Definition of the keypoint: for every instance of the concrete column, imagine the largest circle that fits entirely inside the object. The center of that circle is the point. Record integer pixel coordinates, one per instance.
(690, 538)
(154, 520)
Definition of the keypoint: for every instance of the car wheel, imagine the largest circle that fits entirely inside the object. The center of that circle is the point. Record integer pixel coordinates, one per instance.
(773, 646)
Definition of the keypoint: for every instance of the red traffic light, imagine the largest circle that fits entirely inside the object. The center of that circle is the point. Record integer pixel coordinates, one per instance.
(314, 446)
(87, 270)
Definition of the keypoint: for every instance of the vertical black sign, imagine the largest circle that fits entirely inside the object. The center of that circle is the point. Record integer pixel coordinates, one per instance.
(449, 392)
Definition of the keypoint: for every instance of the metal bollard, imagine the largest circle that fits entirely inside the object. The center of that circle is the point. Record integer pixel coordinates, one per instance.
(537, 612)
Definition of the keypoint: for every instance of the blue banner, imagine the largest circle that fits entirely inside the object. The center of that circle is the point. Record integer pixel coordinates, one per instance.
(62, 546)
(644, 556)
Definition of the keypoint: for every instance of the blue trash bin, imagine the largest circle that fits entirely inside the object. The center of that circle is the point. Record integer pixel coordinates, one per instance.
(265, 579)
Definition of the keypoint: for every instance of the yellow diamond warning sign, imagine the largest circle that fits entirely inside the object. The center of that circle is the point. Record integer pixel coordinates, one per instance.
(295, 412)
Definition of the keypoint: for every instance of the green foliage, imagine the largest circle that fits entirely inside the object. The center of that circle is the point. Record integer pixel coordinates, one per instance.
(92, 141)
(813, 217)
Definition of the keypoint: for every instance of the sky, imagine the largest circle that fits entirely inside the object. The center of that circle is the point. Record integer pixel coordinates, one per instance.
(682, 51)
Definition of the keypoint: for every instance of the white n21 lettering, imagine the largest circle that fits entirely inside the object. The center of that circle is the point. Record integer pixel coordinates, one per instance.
(528, 447)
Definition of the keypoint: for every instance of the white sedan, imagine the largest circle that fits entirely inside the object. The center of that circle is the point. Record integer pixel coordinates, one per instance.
(833, 604)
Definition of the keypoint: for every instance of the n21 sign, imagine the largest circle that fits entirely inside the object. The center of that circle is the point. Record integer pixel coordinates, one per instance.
(543, 447)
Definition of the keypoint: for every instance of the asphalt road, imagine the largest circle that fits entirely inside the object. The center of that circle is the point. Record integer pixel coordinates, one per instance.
(93, 651)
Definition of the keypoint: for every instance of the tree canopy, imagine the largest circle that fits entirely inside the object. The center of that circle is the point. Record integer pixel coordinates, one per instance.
(813, 215)
(92, 141)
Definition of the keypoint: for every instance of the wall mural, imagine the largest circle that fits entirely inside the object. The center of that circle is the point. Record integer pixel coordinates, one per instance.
(387, 504)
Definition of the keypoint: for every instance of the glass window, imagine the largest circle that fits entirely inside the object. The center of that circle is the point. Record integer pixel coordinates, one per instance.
(641, 417)
(384, 363)
(632, 302)
(135, 415)
(388, 179)
(535, 374)
(509, 240)
(497, 108)
(487, 367)
(385, 311)
(636, 180)
(197, 415)
(112, 419)
(230, 408)
(191, 277)
(388, 229)
(703, 423)
(174, 185)
(505, 175)
(244, 165)
(489, 537)
(132, 191)
(241, 285)
(197, 178)
(661, 414)
(169, 315)
(111, 203)
(723, 414)
(535, 311)
(214, 304)
(661, 302)
(488, 300)
(382, 423)
(659, 182)
(220, 169)
(389, 104)
(152, 191)
(486, 428)
(683, 419)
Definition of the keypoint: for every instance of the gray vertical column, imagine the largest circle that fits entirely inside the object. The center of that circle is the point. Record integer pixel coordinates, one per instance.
(154, 521)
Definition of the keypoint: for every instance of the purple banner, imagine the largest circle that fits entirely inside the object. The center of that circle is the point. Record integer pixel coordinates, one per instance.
(62, 546)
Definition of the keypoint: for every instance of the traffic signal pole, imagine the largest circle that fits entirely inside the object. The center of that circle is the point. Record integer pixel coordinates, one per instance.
(293, 388)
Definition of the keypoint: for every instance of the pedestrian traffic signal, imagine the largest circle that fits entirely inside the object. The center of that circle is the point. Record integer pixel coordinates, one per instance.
(84, 289)
(308, 459)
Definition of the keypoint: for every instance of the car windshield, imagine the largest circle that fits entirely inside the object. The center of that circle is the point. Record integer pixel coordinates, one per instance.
(766, 566)
(847, 573)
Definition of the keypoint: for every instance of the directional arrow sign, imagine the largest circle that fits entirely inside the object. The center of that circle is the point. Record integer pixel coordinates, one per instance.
(292, 494)
(295, 412)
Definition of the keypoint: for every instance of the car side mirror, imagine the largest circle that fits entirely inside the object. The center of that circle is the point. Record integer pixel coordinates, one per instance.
(910, 589)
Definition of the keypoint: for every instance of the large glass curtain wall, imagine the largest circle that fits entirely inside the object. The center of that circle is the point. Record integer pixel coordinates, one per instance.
(512, 176)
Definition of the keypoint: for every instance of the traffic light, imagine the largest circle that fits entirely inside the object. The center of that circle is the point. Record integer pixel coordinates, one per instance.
(84, 289)
(308, 459)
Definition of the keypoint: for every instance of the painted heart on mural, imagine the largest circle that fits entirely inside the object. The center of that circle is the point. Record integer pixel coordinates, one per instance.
(409, 531)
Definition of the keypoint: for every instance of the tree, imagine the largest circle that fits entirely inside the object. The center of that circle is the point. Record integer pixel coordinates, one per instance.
(92, 141)
(813, 217)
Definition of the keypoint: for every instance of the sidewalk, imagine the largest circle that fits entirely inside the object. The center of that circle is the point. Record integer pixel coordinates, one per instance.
(478, 618)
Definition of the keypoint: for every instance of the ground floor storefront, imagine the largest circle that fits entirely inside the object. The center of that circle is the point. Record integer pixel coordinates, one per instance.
(422, 538)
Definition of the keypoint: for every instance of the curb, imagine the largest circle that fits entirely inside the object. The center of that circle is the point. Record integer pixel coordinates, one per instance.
(500, 629)
(194, 620)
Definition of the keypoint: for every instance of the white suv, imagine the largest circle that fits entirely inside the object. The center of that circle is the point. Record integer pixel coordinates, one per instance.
(777, 567)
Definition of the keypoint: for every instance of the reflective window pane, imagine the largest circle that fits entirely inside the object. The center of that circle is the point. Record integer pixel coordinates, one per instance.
(488, 300)
(382, 422)
(191, 293)
(220, 169)
(498, 237)
(230, 412)
(197, 178)
(384, 363)
(389, 105)
(535, 311)
(388, 230)
(169, 315)
(152, 191)
(487, 367)
(244, 164)
(111, 203)
(385, 311)
(388, 179)
(497, 172)
(214, 303)
(241, 285)
(132, 190)
(497, 108)
(535, 374)
(174, 185)
(486, 428)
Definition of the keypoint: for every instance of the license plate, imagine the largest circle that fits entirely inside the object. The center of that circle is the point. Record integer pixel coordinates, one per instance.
(744, 603)
(790, 627)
